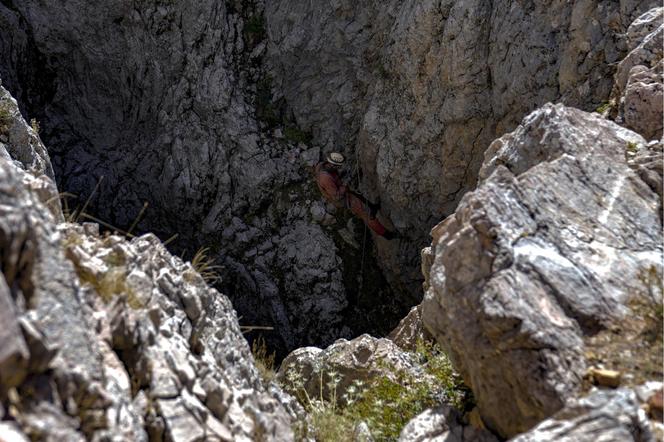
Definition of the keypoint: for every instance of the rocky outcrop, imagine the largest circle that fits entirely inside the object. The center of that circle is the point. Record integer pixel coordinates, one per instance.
(443, 424)
(332, 371)
(21, 145)
(610, 415)
(638, 91)
(545, 253)
(105, 338)
(648, 162)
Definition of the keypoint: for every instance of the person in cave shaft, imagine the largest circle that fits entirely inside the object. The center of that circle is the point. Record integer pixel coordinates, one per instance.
(336, 192)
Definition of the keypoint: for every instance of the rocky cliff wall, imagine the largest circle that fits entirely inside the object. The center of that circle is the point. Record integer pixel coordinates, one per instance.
(213, 112)
(165, 101)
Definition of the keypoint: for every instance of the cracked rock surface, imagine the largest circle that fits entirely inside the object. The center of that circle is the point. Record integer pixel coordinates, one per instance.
(550, 249)
(213, 112)
(615, 415)
(443, 424)
(166, 101)
(109, 339)
(638, 92)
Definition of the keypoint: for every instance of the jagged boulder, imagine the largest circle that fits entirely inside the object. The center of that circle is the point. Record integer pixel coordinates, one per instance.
(649, 164)
(106, 338)
(611, 415)
(546, 252)
(177, 338)
(20, 144)
(443, 424)
(639, 83)
(644, 95)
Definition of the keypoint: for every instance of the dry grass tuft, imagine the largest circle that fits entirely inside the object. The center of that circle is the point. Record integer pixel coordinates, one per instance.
(264, 359)
(205, 266)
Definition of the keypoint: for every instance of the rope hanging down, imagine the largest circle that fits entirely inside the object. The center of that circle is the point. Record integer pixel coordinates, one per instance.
(364, 237)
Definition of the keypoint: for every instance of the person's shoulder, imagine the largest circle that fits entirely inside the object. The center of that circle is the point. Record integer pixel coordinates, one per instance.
(320, 167)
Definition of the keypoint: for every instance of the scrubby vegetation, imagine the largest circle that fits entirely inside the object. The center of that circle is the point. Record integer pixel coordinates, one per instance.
(109, 284)
(264, 359)
(205, 265)
(384, 404)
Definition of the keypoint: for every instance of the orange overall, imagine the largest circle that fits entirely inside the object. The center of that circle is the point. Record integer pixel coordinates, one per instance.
(330, 184)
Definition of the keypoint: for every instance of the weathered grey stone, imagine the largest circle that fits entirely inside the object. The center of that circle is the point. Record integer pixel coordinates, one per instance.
(188, 354)
(14, 353)
(639, 80)
(18, 140)
(204, 110)
(361, 359)
(602, 415)
(643, 103)
(442, 424)
(110, 339)
(544, 252)
(362, 433)
(645, 44)
(649, 164)
(10, 432)
(168, 105)
(643, 26)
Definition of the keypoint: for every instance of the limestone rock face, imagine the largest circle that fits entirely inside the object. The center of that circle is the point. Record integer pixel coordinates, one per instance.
(547, 251)
(20, 144)
(649, 164)
(638, 91)
(109, 339)
(604, 415)
(167, 104)
(414, 93)
(213, 112)
(361, 359)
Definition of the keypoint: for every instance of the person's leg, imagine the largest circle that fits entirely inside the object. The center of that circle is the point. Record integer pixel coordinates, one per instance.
(360, 208)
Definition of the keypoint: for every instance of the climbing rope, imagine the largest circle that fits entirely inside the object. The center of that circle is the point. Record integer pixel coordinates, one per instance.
(364, 237)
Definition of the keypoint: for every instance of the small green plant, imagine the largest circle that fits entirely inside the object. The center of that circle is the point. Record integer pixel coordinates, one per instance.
(385, 403)
(604, 107)
(632, 147)
(328, 421)
(205, 265)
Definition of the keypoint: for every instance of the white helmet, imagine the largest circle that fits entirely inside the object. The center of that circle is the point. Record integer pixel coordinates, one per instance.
(336, 158)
